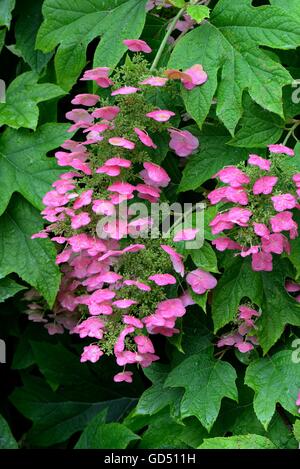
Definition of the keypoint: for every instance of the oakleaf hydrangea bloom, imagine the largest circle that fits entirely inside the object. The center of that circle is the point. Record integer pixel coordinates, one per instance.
(242, 337)
(118, 289)
(264, 193)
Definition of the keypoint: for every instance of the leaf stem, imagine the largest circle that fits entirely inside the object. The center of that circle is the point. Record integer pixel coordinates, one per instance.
(165, 39)
(291, 132)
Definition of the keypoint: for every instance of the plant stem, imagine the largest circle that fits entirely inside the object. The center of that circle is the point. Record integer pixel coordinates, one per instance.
(165, 39)
(290, 132)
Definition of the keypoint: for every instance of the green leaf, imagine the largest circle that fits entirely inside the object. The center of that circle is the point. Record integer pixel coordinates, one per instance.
(287, 5)
(176, 339)
(230, 47)
(156, 397)
(56, 419)
(196, 337)
(275, 379)
(24, 166)
(87, 439)
(198, 12)
(205, 258)
(238, 442)
(297, 430)
(258, 127)
(178, 3)
(165, 432)
(294, 163)
(22, 98)
(27, 25)
(60, 366)
(137, 422)
(200, 300)
(206, 381)
(9, 288)
(7, 441)
(209, 213)
(238, 281)
(32, 260)
(107, 56)
(278, 432)
(23, 355)
(240, 419)
(193, 432)
(99, 435)
(6, 7)
(74, 25)
(2, 41)
(214, 154)
(291, 101)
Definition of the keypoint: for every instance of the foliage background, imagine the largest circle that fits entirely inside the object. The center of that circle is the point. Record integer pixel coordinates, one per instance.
(190, 398)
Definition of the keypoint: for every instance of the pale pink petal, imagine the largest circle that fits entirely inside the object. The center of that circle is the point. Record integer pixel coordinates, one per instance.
(79, 115)
(86, 99)
(82, 219)
(163, 279)
(125, 90)
(121, 142)
(109, 170)
(123, 376)
(144, 138)
(122, 162)
(187, 234)
(156, 175)
(137, 45)
(91, 353)
(106, 112)
(201, 281)
(120, 187)
(176, 259)
(154, 81)
(262, 261)
(262, 163)
(233, 176)
(160, 115)
(279, 148)
(264, 185)
(198, 77)
(283, 202)
(183, 142)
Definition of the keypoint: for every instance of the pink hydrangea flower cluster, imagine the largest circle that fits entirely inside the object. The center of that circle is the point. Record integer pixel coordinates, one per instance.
(263, 194)
(102, 295)
(56, 321)
(243, 336)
